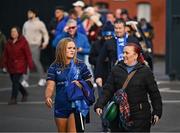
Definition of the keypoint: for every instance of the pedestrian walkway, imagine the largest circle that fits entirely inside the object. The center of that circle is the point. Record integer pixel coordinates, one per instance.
(23, 117)
(159, 69)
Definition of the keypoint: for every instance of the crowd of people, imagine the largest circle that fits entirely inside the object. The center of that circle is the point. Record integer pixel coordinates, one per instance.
(85, 48)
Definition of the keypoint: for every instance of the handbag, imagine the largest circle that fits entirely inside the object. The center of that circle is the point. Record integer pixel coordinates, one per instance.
(112, 108)
(110, 111)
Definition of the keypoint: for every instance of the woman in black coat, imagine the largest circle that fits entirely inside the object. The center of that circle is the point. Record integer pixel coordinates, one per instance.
(140, 86)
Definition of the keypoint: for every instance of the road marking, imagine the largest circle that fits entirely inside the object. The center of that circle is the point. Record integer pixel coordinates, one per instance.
(168, 90)
(25, 103)
(43, 103)
(7, 89)
(167, 82)
(162, 82)
(171, 101)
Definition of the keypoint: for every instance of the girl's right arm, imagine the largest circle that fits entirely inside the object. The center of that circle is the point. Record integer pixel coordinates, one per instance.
(49, 93)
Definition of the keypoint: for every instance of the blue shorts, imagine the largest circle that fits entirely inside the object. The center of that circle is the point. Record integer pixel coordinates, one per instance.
(62, 113)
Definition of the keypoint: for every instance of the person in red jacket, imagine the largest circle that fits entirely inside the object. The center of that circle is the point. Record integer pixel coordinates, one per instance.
(17, 57)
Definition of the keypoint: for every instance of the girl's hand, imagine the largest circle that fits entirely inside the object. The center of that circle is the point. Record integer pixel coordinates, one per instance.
(49, 102)
(77, 83)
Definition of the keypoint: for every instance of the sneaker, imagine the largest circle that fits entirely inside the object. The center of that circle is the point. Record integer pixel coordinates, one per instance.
(42, 82)
(25, 84)
(4, 70)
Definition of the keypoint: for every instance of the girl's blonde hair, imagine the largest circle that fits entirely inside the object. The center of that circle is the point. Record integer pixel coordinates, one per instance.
(60, 56)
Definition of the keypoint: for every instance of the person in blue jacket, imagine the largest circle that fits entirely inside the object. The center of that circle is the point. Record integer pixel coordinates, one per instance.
(81, 41)
(66, 71)
(62, 24)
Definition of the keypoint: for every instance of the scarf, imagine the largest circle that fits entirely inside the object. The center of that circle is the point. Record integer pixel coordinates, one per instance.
(74, 93)
(73, 73)
(121, 42)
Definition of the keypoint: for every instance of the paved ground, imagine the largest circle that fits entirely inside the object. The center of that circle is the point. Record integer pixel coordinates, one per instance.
(34, 116)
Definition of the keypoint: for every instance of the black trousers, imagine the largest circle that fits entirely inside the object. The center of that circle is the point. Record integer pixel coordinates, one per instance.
(141, 124)
(16, 86)
(115, 125)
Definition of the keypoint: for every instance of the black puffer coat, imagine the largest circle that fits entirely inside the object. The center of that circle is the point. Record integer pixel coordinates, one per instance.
(140, 86)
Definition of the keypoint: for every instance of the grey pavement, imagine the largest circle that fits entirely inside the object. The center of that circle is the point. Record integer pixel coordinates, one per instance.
(34, 116)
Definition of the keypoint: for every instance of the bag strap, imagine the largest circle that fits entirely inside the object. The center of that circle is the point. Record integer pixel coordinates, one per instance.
(128, 79)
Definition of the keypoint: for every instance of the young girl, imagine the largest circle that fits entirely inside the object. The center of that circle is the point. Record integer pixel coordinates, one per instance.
(62, 74)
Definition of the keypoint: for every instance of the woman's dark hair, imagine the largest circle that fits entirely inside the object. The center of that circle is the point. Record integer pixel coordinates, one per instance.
(18, 30)
(138, 50)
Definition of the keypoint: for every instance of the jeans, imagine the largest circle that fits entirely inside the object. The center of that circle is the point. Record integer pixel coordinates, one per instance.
(16, 85)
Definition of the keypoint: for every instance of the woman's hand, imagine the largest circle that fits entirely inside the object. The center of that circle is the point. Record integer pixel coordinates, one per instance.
(49, 102)
(99, 82)
(77, 83)
(155, 119)
(99, 111)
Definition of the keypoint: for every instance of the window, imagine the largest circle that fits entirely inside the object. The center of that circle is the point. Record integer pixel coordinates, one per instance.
(144, 11)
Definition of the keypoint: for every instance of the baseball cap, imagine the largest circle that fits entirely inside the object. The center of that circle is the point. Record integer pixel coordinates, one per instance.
(79, 3)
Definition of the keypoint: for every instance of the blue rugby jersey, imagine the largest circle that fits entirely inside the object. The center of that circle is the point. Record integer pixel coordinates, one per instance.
(57, 74)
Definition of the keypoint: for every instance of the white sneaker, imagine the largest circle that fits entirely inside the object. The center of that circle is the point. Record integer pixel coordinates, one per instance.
(24, 83)
(4, 70)
(42, 82)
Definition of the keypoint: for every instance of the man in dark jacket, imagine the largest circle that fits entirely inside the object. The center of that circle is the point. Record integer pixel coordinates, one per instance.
(106, 34)
(113, 49)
